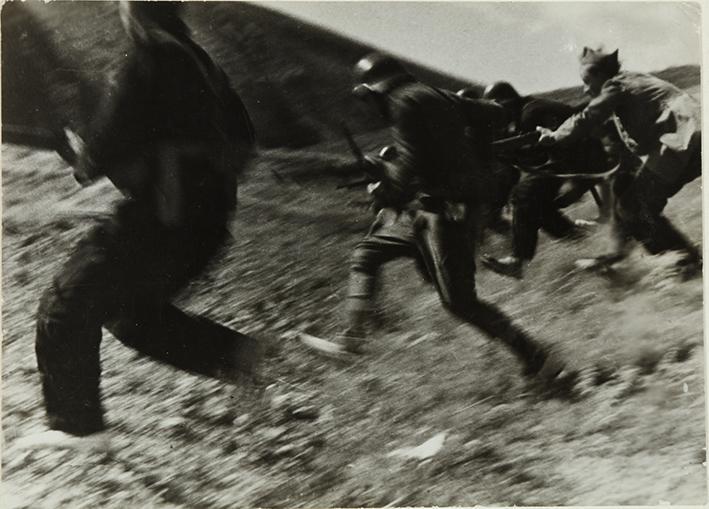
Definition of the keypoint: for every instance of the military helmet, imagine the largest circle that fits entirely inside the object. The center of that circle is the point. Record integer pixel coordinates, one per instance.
(501, 91)
(379, 73)
(388, 153)
(469, 93)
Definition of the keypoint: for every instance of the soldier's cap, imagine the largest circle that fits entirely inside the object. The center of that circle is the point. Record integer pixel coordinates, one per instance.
(593, 57)
(600, 61)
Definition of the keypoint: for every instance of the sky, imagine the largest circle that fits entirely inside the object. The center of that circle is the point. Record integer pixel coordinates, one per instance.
(534, 45)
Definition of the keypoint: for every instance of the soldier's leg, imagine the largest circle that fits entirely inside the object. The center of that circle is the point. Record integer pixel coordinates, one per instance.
(448, 257)
(527, 218)
(147, 321)
(125, 271)
(532, 209)
(605, 209)
(505, 179)
(576, 190)
(69, 320)
(391, 237)
(641, 206)
(622, 227)
(553, 220)
(186, 341)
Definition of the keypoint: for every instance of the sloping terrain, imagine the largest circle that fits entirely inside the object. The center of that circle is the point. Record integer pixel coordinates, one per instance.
(293, 77)
(434, 414)
(682, 76)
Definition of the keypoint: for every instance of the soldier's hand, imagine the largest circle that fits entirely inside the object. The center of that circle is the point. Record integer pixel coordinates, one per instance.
(75, 142)
(373, 186)
(377, 192)
(82, 166)
(546, 136)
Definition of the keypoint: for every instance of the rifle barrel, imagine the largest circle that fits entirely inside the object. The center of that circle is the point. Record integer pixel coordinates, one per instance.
(354, 148)
(515, 142)
(356, 183)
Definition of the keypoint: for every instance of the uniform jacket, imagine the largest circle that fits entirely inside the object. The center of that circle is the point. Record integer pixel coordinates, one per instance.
(433, 129)
(168, 92)
(548, 113)
(653, 112)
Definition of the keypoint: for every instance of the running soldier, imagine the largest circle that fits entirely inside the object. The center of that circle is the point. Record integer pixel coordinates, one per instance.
(427, 195)
(665, 124)
(536, 199)
(501, 178)
(172, 137)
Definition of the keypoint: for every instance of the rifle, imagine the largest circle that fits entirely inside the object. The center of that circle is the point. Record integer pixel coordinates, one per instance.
(366, 164)
(516, 142)
(507, 147)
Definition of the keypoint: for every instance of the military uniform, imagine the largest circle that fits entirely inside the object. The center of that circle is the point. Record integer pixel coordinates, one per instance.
(431, 196)
(534, 197)
(172, 136)
(664, 122)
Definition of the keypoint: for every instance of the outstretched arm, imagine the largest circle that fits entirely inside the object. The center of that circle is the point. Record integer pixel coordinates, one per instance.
(582, 124)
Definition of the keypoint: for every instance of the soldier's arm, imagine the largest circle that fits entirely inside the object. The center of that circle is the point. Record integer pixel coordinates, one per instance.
(399, 182)
(593, 116)
(400, 178)
(486, 120)
(545, 113)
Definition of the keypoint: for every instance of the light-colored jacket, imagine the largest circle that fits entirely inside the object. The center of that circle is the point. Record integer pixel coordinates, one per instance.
(652, 111)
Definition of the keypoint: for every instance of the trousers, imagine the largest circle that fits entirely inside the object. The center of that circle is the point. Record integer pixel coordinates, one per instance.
(444, 253)
(535, 208)
(122, 275)
(641, 201)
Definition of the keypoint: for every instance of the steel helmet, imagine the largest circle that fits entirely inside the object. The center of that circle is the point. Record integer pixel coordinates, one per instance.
(379, 73)
(389, 153)
(501, 91)
(469, 93)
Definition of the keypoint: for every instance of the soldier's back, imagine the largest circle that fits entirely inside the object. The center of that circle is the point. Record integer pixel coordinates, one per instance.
(548, 113)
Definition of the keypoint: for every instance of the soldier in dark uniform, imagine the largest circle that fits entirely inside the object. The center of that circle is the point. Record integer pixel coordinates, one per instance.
(172, 136)
(535, 198)
(427, 197)
(502, 177)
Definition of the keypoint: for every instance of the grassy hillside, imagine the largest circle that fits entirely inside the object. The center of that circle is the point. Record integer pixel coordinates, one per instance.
(682, 76)
(636, 436)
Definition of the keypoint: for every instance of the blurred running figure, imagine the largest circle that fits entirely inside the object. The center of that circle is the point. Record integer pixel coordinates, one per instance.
(427, 197)
(665, 124)
(538, 199)
(172, 137)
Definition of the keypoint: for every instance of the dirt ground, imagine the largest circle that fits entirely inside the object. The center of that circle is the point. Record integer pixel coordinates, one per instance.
(434, 414)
